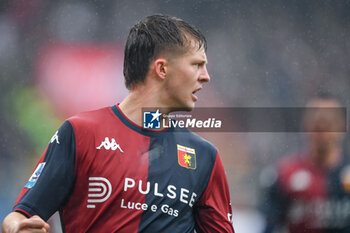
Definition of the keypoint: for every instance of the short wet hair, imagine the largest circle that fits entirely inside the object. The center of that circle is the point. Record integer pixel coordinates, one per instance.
(150, 37)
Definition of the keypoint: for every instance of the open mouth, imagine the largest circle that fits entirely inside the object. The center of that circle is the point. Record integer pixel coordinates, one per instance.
(194, 97)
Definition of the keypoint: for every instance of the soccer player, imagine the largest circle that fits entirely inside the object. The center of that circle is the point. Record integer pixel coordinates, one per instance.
(311, 192)
(102, 172)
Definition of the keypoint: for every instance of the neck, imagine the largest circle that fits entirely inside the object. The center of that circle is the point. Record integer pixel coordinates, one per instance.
(139, 98)
(326, 156)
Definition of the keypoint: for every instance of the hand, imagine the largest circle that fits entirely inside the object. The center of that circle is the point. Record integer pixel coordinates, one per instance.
(17, 223)
(33, 225)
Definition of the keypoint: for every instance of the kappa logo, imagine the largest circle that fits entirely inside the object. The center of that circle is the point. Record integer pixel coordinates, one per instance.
(110, 145)
(186, 157)
(55, 138)
(100, 190)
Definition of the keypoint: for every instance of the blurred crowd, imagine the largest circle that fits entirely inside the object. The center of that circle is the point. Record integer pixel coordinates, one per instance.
(61, 57)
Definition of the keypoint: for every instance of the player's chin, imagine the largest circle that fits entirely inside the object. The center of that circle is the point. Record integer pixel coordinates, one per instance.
(189, 106)
(183, 107)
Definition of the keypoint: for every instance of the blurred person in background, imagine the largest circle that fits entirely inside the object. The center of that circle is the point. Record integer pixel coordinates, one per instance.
(102, 172)
(310, 191)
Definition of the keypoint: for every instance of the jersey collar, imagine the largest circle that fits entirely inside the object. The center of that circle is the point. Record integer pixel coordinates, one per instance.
(147, 132)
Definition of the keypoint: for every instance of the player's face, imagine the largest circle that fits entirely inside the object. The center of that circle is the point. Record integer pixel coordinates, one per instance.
(324, 120)
(185, 77)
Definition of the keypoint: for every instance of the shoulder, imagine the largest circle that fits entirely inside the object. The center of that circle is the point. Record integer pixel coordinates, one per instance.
(290, 163)
(90, 119)
(90, 116)
(289, 159)
(295, 173)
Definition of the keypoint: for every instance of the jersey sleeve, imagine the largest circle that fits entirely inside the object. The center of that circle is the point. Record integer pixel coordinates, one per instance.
(213, 211)
(52, 180)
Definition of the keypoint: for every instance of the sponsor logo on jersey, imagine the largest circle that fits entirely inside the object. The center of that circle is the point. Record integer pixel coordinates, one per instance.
(186, 157)
(320, 213)
(100, 190)
(170, 192)
(110, 145)
(151, 119)
(34, 178)
(55, 138)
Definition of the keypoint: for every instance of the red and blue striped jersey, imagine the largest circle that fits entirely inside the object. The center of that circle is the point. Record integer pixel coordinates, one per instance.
(102, 173)
(305, 197)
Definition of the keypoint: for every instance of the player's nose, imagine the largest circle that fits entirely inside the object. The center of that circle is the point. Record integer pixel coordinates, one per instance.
(204, 75)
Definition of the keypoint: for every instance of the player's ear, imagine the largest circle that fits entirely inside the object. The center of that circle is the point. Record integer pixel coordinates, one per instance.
(160, 67)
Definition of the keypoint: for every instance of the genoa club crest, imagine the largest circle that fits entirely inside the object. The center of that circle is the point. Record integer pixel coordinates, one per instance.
(186, 157)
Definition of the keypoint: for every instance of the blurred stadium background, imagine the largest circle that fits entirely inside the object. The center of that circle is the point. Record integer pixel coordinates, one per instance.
(61, 57)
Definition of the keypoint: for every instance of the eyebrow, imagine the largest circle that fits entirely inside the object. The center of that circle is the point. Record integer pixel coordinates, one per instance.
(203, 61)
(200, 61)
